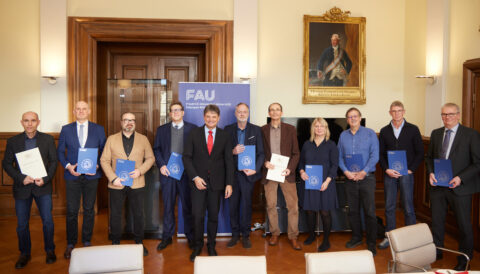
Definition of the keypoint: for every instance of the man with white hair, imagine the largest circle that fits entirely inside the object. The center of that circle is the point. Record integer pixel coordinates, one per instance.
(334, 64)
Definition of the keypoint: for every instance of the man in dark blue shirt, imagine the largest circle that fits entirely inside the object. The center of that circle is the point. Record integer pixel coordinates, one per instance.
(360, 185)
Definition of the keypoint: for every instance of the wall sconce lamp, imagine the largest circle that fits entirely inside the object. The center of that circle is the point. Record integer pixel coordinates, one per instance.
(52, 80)
(245, 80)
(432, 78)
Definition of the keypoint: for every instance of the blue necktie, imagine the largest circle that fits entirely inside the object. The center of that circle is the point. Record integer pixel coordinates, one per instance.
(446, 141)
(80, 137)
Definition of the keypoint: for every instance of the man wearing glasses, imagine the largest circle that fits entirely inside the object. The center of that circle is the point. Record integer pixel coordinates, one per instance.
(170, 138)
(461, 146)
(399, 135)
(127, 145)
(360, 183)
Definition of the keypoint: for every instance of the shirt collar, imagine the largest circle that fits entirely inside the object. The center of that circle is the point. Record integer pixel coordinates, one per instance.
(401, 126)
(179, 125)
(454, 129)
(34, 137)
(279, 126)
(207, 129)
(84, 123)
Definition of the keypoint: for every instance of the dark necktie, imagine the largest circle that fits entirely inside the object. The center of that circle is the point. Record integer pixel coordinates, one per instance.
(210, 142)
(446, 141)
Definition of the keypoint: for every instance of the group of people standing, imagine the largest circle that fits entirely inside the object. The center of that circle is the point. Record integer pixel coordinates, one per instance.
(210, 158)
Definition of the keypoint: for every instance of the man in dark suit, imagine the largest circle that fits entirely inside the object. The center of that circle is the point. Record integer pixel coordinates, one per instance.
(170, 138)
(208, 160)
(26, 188)
(281, 138)
(80, 134)
(461, 146)
(334, 64)
(244, 134)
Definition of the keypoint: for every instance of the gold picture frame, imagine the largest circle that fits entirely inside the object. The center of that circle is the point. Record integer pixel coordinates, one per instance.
(334, 72)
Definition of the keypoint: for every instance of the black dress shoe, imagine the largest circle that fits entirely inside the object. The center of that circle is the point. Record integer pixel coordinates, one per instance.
(310, 239)
(51, 257)
(246, 242)
(22, 261)
(324, 247)
(233, 241)
(461, 266)
(212, 251)
(195, 253)
(68, 252)
(164, 243)
(145, 251)
(353, 243)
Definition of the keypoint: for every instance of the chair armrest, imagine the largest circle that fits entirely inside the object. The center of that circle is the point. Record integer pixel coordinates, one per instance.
(395, 262)
(457, 252)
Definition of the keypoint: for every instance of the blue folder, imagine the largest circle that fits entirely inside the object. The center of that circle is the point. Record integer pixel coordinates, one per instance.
(354, 162)
(246, 159)
(122, 170)
(87, 160)
(443, 172)
(397, 160)
(175, 166)
(315, 177)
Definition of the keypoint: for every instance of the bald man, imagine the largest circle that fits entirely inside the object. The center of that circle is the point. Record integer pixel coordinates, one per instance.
(26, 188)
(74, 136)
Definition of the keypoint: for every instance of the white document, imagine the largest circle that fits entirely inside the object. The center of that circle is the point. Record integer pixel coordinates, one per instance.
(280, 163)
(31, 163)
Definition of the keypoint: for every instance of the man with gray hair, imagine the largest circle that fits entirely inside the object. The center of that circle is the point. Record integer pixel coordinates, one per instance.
(334, 64)
(460, 145)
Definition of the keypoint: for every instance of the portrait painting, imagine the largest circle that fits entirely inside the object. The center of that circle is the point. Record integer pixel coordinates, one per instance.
(334, 58)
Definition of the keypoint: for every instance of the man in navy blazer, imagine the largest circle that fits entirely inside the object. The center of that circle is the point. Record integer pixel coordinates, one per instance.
(80, 134)
(460, 145)
(170, 138)
(243, 134)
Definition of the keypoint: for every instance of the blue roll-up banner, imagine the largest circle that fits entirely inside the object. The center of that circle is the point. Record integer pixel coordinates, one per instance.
(194, 97)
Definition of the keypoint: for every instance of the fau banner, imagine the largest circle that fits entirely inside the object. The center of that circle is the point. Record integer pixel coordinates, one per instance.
(194, 97)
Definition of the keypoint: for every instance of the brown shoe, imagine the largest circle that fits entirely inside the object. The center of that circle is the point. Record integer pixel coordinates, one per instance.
(295, 244)
(273, 240)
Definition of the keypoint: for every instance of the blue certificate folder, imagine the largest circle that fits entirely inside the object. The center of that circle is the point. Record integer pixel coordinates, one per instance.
(354, 162)
(175, 166)
(246, 159)
(122, 170)
(315, 176)
(443, 171)
(87, 160)
(397, 160)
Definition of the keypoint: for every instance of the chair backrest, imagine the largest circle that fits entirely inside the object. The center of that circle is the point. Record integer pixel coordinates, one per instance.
(230, 265)
(340, 262)
(412, 245)
(107, 259)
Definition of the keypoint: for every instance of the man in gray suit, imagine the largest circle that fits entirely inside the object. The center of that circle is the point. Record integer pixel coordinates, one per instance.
(461, 145)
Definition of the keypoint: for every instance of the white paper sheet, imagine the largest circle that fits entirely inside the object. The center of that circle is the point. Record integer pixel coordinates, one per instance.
(31, 163)
(280, 163)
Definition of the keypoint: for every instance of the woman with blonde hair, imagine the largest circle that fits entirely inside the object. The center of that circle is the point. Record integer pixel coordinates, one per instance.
(320, 150)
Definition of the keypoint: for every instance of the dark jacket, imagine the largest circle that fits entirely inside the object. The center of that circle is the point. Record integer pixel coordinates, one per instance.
(288, 147)
(409, 140)
(218, 166)
(253, 136)
(46, 146)
(464, 155)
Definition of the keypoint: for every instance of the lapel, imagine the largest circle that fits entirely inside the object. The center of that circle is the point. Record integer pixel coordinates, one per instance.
(168, 136)
(235, 135)
(21, 143)
(266, 133)
(75, 133)
(89, 133)
(248, 134)
(402, 132)
(283, 136)
(120, 145)
(439, 141)
(204, 141)
(456, 140)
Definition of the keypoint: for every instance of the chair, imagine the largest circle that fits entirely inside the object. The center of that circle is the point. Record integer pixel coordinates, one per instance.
(340, 262)
(230, 265)
(413, 249)
(107, 259)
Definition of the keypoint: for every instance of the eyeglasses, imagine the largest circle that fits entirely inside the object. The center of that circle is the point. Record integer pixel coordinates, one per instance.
(128, 121)
(176, 110)
(396, 111)
(449, 115)
(353, 117)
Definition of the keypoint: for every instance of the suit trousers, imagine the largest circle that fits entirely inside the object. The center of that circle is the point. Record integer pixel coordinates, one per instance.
(87, 190)
(203, 200)
(135, 201)
(240, 204)
(362, 194)
(170, 189)
(440, 198)
(290, 193)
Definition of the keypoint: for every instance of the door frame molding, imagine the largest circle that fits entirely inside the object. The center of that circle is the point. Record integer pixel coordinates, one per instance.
(84, 34)
(470, 67)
